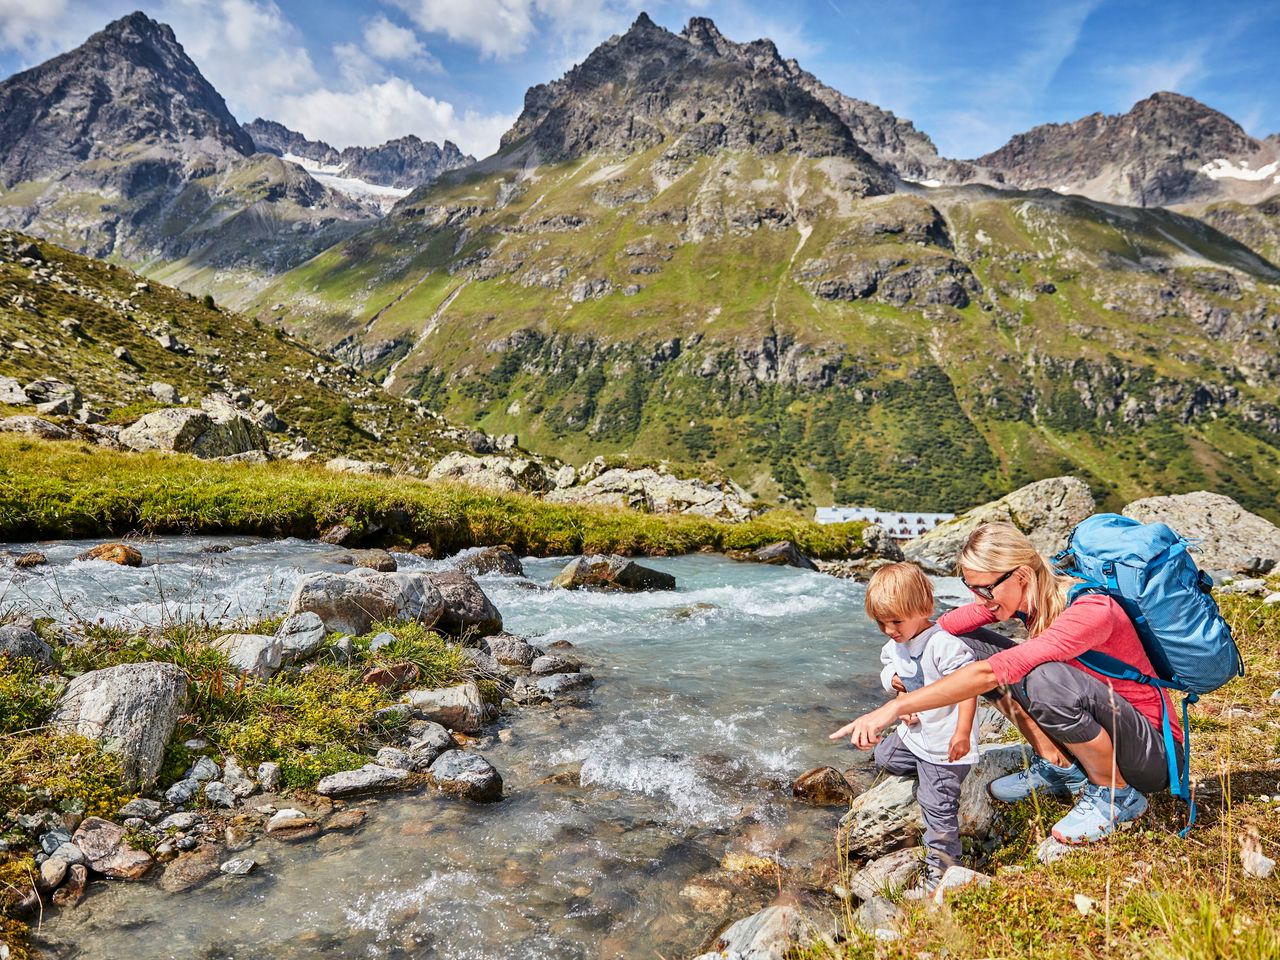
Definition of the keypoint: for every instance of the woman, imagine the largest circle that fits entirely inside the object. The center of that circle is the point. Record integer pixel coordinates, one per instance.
(1112, 728)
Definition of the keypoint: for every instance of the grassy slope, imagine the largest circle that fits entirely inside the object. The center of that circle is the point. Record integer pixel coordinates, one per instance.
(726, 272)
(342, 413)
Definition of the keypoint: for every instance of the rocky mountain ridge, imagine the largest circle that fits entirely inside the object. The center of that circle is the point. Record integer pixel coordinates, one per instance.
(404, 162)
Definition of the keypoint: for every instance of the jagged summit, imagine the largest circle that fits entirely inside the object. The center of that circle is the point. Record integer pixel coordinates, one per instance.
(702, 90)
(128, 87)
(1156, 154)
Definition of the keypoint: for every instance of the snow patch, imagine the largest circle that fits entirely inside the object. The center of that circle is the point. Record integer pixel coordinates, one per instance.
(923, 183)
(328, 174)
(1222, 169)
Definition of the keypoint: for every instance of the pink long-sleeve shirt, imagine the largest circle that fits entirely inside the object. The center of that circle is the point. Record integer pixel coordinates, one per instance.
(1093, 622)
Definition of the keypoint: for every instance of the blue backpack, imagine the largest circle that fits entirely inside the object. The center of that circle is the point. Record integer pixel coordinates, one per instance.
(1147, 570)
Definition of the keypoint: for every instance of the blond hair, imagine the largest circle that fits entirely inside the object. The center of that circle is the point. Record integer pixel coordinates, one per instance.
(897, 591)
(997, 548)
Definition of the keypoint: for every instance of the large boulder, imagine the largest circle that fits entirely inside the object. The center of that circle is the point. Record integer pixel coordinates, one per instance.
(367, 779)
(888, 816)
(466, 607)
(132, 708)
(1046, 511)
(507, 474)
(492, 560)
(104, 846)
(188, 430)
(1227, 536)
(34, 427)
(611, 573)
(467, 775)
(784, 553)
(18, 642)
(353, 602)
(655, 492)
(300, 635)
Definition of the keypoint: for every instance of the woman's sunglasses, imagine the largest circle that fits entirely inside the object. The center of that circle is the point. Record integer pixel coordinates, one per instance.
(987, 591)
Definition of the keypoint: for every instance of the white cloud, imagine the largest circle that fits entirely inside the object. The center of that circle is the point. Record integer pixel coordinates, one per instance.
(497, 28)
(382, 111)
(389, 41)
(1176, 74)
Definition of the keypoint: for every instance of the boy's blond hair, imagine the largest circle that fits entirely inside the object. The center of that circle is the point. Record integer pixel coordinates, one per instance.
(898, 591)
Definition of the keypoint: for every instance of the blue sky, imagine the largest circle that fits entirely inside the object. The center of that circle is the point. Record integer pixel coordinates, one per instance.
(968, 74)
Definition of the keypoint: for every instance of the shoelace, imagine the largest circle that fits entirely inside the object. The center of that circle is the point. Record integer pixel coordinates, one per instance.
(1095, 797)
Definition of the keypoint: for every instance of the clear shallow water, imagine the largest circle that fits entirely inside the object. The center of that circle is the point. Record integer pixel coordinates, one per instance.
(708, 701)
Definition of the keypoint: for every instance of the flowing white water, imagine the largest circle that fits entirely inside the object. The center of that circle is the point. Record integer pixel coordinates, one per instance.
(708, 700)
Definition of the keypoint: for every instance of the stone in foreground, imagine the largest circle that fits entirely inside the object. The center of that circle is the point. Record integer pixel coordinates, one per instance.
(103, 845)
(467, 775)
(466, 609)
(352, 602)
(252, 654)
(18, 643)
(823, 787)
(767, 935)
(368, 778)
(890, 873)
(459, 707)
(132, 708)
(300, 635)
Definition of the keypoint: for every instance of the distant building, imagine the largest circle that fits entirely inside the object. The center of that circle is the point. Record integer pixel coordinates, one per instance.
(900, 524)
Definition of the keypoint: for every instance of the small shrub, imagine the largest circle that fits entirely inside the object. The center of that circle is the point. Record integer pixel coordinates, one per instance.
(62, 770)
(27, 696)
(208, 302)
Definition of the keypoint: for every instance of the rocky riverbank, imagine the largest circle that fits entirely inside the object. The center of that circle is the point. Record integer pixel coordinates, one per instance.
(175, 752)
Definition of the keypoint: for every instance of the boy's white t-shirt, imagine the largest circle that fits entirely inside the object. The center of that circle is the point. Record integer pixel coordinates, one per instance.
(934, 654)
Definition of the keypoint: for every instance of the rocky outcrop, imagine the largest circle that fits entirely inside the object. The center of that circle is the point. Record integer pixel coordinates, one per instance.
(353, 602)
(34, 427)
(494, 472)
(656, 492)
(193, 431)
(1046, 511)
(131, 708)
(1226, 536)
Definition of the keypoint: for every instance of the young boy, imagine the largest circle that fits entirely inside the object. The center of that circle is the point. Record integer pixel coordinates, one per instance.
(938, 746)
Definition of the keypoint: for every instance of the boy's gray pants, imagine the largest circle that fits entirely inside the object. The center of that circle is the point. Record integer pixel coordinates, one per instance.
(939, 797)
(1072, 706)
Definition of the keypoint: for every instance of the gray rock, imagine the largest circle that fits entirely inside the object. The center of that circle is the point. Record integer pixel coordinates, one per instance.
(886, 875)
(1227, 536)
(880, 917)
(19, 643)
(34, 427)
(483, 663)
(611, 573)
(368, 468)
(234, 776)
(466, 609)
(459, 707)
(164, 392)
(188, 430)
(559, 684)
(767, 935)
(509, 474)
(220, 794)
(203, 770)
(352, 602)
(381, 640)
(1046, 511)
(53, 839)
(467, 775)
(784, 553)
(427, 741)
(509, 650)
(269, 776)
(11, 392)
(252, 654)
(186, 820)
(182, 792)
(142, 807)
(1272, 598)
(1051, 850)
(300, 635)
(888, 815)
(492, 560)
(655, 492)
(1249, 587)
(288, 819)
(52, 873)
(132, 708)
(238, 867)
(546, 665)
(68, 853)
(394, 757)
(368, 778)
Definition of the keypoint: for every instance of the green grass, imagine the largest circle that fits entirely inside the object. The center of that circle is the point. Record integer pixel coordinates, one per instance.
(53, 489)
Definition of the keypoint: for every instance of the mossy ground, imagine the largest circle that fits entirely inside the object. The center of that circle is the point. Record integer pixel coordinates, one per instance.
(59, 489)
(1153, 895)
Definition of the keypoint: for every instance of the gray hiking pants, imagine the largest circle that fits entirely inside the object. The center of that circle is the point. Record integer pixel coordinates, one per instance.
(1072, 706)
(938, 794)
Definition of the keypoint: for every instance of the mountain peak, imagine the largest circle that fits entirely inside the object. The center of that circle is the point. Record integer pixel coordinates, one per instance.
(643, 23)
(703, 32)
(139, 25)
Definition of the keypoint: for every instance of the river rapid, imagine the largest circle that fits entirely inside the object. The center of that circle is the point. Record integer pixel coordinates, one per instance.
(708, 701)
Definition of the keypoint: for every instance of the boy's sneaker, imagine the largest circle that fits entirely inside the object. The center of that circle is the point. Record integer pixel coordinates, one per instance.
(1098, 812)
(1040, 776)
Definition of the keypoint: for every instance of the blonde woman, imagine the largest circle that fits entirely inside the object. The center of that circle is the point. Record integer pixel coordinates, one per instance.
(1094, 737)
